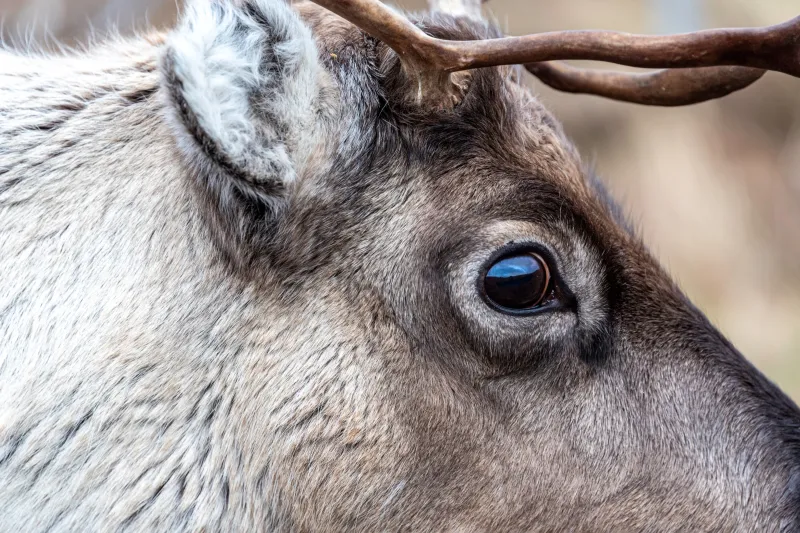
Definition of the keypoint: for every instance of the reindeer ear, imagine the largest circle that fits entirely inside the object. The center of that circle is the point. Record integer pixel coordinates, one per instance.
(243, 79)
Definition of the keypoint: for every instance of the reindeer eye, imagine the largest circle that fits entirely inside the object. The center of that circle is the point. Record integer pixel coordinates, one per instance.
(517, 282)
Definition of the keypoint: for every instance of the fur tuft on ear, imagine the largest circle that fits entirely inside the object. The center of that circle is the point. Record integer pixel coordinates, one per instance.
(244, 82)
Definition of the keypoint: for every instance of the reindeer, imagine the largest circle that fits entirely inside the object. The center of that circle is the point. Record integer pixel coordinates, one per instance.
(325, 268)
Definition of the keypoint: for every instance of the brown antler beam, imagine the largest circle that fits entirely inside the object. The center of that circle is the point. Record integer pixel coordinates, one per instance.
(769, 48)
(429, 61)
(668, 87)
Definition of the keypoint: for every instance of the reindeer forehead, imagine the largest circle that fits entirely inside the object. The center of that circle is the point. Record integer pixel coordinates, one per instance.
(499, 119)
(500, 136)
(498, 100)
(499, 154)
(500, 149)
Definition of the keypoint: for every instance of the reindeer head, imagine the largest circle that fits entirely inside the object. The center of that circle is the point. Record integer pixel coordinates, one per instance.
(428, 314)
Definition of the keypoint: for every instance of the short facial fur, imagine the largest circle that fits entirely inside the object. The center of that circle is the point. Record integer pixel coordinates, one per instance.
(241, 292)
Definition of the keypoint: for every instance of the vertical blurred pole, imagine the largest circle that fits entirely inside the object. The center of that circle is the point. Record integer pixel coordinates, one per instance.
(677, 16)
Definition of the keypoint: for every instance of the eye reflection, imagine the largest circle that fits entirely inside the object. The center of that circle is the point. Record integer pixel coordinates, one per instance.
(518, 281)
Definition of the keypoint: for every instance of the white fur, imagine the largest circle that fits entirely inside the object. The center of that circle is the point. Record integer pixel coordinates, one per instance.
(219, 53)
(123, 334)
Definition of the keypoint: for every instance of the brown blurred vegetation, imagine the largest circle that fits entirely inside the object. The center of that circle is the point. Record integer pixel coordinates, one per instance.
(713, 188)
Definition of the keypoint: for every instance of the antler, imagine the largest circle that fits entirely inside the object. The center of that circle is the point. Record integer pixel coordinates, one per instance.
(425, 59)
(727, 52)
(668, 87)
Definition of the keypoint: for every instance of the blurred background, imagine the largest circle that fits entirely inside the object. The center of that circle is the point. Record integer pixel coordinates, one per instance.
(713, 188)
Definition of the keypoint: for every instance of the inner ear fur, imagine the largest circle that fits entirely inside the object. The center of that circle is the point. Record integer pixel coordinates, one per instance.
(244, 81)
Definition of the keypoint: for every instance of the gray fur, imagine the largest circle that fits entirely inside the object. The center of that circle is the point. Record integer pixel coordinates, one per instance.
(267, 318)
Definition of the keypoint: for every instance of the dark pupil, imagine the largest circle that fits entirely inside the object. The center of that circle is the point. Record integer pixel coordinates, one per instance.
(516, 282)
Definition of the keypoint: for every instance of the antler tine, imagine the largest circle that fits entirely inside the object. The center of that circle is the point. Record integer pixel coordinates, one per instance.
(430, 61)
(668, 87)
